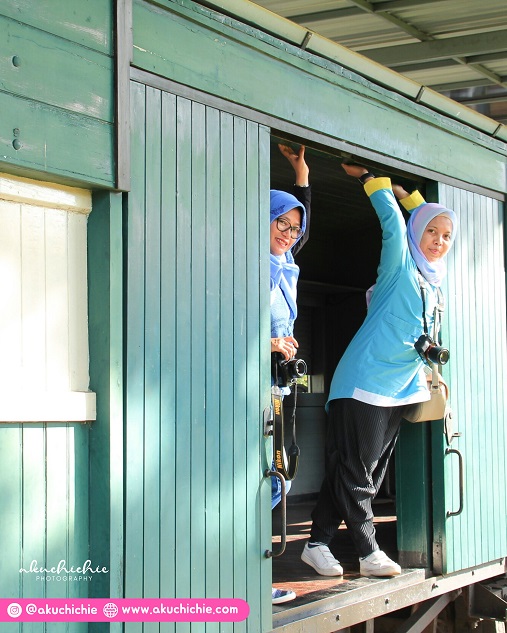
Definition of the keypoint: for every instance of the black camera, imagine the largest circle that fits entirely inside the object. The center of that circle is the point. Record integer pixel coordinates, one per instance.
(286, 372)
(429, 350)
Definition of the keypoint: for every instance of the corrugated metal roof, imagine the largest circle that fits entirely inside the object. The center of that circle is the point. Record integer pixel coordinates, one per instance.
(456, 47)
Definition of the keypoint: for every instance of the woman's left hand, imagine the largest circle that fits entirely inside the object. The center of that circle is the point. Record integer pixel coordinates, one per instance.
(287, 346)
(356, 171)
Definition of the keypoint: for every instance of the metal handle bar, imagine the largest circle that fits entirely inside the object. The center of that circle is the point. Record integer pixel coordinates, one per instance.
(269, 553)
(461, 479)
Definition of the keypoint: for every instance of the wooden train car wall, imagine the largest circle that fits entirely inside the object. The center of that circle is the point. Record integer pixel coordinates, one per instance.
(57, 139)
(166, 487)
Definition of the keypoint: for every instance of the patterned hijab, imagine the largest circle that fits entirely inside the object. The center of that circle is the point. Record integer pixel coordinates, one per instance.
(434, 272)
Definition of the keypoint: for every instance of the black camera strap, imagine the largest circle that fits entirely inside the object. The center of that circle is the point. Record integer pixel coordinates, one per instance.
(278, 437)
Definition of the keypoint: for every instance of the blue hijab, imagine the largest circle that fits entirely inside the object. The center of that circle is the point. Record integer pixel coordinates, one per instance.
(283, 270)
(434, 272)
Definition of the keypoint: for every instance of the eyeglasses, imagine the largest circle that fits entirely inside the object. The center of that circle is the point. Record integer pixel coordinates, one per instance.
(283, 225)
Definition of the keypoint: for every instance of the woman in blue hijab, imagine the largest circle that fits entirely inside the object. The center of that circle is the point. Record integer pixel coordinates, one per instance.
(289, 223)
(380, 373)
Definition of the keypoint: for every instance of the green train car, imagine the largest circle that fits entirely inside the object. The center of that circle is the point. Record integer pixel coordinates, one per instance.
(139, 143)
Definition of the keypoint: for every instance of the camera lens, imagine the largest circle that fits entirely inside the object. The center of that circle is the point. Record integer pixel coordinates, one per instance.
(299, 369)
(437, 354)
(443, 356)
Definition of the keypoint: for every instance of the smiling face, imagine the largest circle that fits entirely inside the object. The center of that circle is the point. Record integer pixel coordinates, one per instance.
(437, 238)
(279, 242)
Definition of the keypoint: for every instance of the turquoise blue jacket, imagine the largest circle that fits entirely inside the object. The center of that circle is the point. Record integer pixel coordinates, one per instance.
(381, 366)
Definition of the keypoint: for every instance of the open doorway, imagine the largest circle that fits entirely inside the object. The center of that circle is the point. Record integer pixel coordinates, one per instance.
(337, 265)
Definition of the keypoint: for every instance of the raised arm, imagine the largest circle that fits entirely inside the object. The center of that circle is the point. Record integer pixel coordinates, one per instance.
(302, 189)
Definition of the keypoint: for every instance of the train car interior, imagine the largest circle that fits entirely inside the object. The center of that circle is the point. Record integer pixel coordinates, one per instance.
(337, 265)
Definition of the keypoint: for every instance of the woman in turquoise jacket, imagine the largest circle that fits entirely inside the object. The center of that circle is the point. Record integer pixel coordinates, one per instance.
(380, 373)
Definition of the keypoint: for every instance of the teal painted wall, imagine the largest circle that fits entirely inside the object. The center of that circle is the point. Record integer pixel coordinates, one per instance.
(199, 48)
(197, 514)
(106, 455)
(44, 474)
(57, 97)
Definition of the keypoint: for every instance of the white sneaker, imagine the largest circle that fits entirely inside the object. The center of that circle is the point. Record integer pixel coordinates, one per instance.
(378, 564)
(279, 596)
(320, 558)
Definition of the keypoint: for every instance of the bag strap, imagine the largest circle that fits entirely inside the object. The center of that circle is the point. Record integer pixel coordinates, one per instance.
(437, 323)
(278, 437)
(439, 308)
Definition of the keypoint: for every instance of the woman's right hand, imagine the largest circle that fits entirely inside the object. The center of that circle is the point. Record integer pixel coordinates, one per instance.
(399, 192)
(297, 160)
(287, 346)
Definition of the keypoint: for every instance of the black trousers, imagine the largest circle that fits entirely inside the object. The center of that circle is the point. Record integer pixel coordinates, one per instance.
(360, 440)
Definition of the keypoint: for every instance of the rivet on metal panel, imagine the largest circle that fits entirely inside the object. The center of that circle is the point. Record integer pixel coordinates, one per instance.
(16, 143)
(16, 61)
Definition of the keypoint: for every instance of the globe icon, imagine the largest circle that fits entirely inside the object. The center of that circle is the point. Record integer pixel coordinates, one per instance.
(110, 610)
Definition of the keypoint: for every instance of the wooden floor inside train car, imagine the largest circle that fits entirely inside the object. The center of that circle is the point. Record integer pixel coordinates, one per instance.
(290, 572)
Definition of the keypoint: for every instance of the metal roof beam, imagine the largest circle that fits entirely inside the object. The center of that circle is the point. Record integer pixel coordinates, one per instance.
(398, 56)
(393, 19)
(439, 63)
(462, 85)
(396, 5)
(495, 78)
(499, 56)
(481, 100)
(377, 8)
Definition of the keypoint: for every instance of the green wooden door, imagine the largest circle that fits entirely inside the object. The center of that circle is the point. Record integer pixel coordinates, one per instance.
(197, 358)
(475, 327)
(450, 493)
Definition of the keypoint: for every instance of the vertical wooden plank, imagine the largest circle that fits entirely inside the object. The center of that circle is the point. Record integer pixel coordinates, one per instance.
(134, 449)
(57, 504)
(116, 319)
(264, 496)
(78, 475)
(10, 276)
(212, 354)
(78, 301)
(255, 215)
(34, 507)
(228, 267)
(413, 500)
(257, 207)
(11, 519)
(168, 307)
(199, 364)
(182, 495)
(239, 332)
(106, 437)
(33, 285)
(151, 492)
(57, 308)
(123, 55)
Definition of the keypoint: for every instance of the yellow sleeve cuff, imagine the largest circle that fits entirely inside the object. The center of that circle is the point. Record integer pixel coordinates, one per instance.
(412, 201)
(377, 183)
